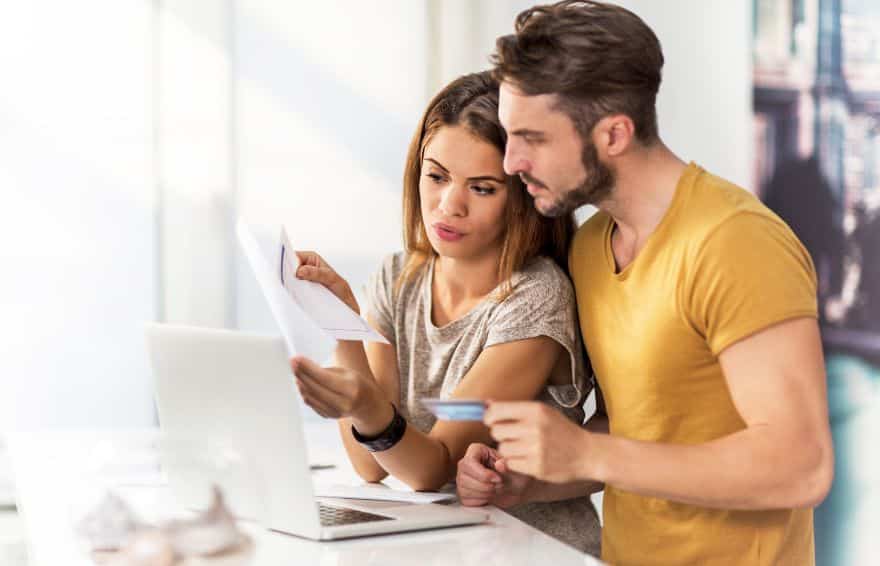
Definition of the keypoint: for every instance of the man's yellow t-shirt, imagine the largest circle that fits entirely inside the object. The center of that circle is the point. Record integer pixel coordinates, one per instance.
(719, 267)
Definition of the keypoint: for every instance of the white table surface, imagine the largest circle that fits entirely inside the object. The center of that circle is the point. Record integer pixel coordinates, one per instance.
(43, 525)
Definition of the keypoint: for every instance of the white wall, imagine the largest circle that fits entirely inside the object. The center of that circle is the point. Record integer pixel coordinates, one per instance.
(705, 100)
(76, 213)
(134, 132)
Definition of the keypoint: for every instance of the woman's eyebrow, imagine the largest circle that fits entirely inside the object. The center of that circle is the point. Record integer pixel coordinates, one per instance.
(437, 163)
(487, 178)
(477, 178)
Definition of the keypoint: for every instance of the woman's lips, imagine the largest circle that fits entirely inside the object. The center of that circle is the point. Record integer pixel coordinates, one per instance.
(447, 233)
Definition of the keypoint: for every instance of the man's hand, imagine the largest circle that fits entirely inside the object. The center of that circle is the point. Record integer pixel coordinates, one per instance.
(538, 441)
(483, 478)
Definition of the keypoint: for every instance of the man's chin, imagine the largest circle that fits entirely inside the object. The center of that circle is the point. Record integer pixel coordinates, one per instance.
(550, 208)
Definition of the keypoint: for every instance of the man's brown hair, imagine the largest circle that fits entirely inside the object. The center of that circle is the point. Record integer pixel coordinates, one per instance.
(471, 101)
(599, 59)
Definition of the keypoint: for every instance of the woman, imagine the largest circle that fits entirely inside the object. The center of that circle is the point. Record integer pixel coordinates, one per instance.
(477, 307)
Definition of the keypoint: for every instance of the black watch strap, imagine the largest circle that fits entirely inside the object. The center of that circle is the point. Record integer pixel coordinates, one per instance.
(385, 439)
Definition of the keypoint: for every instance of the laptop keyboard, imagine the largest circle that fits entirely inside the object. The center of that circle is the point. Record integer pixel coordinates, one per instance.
(338, 516)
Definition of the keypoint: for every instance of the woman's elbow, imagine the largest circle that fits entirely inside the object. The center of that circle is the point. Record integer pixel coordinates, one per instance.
(372, 476)
(427, 483)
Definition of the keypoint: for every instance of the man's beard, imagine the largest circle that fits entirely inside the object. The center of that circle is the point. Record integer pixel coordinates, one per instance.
(595, 188)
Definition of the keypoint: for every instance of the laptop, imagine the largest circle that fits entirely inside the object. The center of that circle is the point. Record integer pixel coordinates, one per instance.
(236, 390)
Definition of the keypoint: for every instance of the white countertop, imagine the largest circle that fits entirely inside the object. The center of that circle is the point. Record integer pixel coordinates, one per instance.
(44, 472)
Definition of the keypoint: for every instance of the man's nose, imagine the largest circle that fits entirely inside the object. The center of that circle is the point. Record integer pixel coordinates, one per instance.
(514, 161)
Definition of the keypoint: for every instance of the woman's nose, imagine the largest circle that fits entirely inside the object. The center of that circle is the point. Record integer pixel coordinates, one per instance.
(453, 200)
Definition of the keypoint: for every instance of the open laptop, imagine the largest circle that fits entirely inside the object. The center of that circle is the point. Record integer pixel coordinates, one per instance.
(237, 390)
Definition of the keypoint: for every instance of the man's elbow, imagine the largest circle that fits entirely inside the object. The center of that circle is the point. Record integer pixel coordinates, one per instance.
(818, 478)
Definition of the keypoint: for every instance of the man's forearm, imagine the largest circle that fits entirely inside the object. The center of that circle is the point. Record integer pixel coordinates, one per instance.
(545, 491)
(756, 468)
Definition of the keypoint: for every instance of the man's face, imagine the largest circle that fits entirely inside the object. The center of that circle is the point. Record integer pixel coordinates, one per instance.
(560, 171)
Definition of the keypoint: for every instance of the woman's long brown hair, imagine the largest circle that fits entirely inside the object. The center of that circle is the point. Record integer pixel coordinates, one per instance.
(472, 101)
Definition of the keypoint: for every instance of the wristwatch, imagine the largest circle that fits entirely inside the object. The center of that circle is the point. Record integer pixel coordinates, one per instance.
(385, 439)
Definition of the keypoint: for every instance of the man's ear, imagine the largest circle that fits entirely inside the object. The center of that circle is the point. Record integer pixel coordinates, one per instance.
(613, 135)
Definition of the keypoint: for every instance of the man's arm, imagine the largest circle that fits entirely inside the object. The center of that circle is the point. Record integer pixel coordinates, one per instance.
(783, 458)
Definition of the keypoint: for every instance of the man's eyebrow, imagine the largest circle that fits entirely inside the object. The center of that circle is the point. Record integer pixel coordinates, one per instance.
(526, 132)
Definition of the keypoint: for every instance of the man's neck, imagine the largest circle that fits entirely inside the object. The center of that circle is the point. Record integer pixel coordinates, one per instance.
(643, 192)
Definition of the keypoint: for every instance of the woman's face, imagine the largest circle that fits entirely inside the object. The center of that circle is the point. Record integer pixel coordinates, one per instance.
(463, 194)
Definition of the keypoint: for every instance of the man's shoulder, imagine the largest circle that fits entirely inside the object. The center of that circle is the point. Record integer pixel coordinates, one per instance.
(713, 201)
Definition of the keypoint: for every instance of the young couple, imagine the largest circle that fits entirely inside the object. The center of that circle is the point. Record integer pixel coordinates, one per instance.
(696, 304)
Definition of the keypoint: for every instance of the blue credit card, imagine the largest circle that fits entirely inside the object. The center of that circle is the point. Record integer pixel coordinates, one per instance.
(456, 409)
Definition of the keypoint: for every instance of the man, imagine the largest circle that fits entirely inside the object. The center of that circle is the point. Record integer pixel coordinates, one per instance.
(697, 306)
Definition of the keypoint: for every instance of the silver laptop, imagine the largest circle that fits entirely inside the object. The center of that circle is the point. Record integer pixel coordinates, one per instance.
(237, 391)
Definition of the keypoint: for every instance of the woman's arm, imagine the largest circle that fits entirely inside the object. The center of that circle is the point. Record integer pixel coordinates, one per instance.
(378, 360)
(511, 371)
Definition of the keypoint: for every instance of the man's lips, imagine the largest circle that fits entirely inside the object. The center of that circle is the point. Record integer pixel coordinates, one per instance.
(534, 189)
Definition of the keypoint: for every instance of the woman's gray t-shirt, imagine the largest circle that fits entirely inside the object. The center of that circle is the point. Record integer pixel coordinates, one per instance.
(433, 360)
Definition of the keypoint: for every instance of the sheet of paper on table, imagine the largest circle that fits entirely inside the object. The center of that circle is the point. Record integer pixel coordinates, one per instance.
(381, 492)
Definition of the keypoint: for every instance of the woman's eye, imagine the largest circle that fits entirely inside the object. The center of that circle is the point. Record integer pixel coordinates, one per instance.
(435, 177)
(483, 190)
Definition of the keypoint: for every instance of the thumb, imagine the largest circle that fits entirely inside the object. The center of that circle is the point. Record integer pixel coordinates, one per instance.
(501, 466)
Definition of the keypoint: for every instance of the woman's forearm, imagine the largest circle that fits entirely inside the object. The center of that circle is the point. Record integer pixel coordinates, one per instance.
(421, 462)
(361, 459)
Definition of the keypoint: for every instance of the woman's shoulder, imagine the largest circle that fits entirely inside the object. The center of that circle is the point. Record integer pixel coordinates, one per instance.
(390, 271)
(392, 264)
(541, 274)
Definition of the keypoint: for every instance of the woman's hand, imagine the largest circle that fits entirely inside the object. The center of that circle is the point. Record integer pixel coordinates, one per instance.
(483, 478)
(337, 393)
(312, 267)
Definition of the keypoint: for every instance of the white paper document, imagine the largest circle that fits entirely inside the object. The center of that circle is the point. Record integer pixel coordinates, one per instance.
(301, 308)
(381, 492)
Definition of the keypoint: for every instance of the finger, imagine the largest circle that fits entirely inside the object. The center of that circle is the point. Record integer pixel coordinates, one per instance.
(330, 382)
(520, 466)
(501, 466)
(308, 370)
(500, 411)
(319, 407)
(507, 431)
(322, 275)
(473, 501)
(331, 390)
(469, 487)
(315, 400)
(309, 258)
(477, 463)
(478, 476)
(514, 450)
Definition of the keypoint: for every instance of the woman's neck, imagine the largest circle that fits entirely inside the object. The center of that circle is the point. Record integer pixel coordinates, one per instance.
(458, 281)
